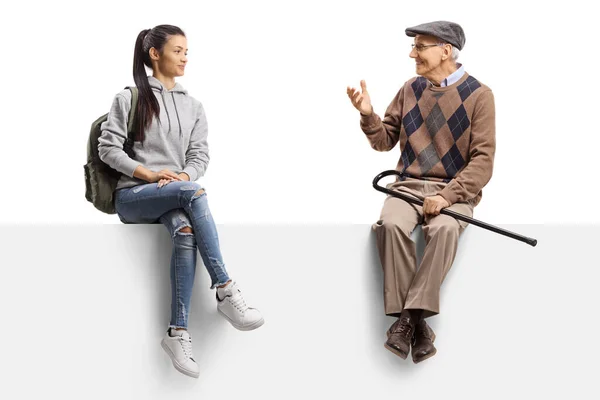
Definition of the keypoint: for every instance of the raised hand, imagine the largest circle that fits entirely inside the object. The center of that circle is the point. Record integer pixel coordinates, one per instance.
(361, 99)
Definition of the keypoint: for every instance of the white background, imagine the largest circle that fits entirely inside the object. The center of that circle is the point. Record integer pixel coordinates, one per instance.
(286, 148)
(285, 142)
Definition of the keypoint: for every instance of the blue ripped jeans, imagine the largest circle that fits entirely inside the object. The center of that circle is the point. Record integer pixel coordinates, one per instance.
(176, 205)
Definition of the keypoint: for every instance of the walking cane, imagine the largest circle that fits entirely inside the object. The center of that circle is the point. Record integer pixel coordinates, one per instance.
(410, 199)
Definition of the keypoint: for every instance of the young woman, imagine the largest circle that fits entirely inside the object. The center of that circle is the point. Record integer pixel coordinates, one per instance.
(169, 153)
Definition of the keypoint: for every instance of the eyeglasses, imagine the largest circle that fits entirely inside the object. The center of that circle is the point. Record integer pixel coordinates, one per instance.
(421, 47)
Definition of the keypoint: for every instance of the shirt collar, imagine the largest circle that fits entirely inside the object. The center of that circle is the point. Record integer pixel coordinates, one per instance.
(454, 77)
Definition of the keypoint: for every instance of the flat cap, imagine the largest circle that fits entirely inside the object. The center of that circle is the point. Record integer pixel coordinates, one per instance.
(450, 32)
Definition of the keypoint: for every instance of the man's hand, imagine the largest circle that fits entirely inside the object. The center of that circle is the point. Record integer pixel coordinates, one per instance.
(434, 204)
(361, 101)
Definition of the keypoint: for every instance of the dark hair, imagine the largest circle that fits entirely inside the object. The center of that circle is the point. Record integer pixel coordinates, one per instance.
(147, 106)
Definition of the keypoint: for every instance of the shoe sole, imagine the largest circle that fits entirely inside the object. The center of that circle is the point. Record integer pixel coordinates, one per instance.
(255, 325)
(175, 363)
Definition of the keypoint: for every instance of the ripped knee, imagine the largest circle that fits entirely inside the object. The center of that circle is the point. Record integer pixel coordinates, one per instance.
(184, 239)
(199, 192)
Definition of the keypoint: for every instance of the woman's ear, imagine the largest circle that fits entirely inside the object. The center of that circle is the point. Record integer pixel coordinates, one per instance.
(154, 54)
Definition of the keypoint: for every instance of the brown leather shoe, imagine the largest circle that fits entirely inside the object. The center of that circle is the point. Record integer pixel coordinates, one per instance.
(400, 335)
(422, 343)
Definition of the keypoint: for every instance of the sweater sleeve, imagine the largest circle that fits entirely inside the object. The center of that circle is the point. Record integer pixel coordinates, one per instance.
(114, 134)
(383, 135)
(196, 156)
(476, 174)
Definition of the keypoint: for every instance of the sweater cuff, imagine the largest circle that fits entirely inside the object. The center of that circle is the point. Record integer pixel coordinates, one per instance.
(448, 195)
(129, 166)
(192, 173)
(368, 121)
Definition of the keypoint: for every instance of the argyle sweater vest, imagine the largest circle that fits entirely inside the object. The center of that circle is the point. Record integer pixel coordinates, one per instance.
(446, 134)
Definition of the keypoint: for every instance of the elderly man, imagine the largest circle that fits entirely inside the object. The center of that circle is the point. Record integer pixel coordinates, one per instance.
(444, 120)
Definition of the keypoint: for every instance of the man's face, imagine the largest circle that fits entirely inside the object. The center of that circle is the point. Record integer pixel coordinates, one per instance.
(427, 54)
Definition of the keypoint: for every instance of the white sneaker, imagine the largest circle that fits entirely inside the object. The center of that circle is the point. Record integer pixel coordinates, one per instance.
(231, 304)
(179, 348)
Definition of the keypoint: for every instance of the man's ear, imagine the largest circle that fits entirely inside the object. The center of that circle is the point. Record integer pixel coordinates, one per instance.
(447, 51)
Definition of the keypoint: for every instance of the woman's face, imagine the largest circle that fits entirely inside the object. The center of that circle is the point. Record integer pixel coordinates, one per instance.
(172, 61)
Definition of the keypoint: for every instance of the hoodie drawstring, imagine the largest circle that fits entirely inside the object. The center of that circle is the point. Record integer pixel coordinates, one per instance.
(177, 113)
(161, 89)
(166, 108)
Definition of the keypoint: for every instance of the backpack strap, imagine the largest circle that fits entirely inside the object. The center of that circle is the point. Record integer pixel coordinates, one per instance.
(128, 145)
(134, 101)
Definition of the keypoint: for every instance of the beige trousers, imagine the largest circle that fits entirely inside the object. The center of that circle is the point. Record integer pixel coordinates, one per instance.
(405, 286)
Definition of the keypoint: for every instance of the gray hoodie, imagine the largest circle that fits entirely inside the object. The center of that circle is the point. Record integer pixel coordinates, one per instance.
(178, 142)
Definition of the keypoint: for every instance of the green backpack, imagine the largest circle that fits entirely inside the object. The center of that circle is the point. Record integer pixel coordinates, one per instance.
(100, 179)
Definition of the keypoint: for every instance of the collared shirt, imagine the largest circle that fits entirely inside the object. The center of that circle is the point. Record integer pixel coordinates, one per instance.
(454, 77)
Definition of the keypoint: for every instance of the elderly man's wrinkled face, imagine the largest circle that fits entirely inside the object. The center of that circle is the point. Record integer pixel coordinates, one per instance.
(427, 54)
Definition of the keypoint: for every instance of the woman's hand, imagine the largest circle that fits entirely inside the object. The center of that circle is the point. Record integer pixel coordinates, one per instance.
(182, 177)
(145, 174)
(163, 182)
(164, 176)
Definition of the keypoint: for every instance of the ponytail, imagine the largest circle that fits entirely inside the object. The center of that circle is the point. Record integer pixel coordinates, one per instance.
(147, 105)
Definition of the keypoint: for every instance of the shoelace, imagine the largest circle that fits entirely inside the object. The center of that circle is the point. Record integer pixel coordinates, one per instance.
(186, 345)
(238, 302)
(405, 329)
